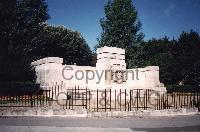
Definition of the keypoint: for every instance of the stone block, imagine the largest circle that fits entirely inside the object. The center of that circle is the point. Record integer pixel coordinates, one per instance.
(97, 114)
(114, 114)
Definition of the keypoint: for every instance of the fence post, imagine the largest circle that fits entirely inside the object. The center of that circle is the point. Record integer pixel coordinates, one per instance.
(187, 101)
(49, 90)
(161, 103)
(172, 100)
(115, 99)
(144, 98)
(16, 100)
(175, 100)
(167, 102)
(58, 89)
(46, 97)
(130, 101)
(110, 100)
(97, 101)
(190, 100)
(31, 101)
(89, 98)
(75, 94)
(184, 101)
(86, 97)
(9, 98)
(137, 99)
(105, 100)
(147, 99)
(27, 100)
(3, 98)
(78, 92)
(120, 99)
(52, 93)
(40, 99)
(66, 103)
(83, 99)
(37, 98)
(125, 99)
(23, 101)
(55, 91)
(72, 98)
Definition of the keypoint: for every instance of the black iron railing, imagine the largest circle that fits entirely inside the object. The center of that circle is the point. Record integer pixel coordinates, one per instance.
(104, 100)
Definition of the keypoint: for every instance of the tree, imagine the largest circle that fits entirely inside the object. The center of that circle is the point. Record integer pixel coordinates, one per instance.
(31, 18)
(25, 37)
(120, 27)
(64, 43)
(7, 17)
(179, 60)
(187, 56)
(158, 52)
(21, 22)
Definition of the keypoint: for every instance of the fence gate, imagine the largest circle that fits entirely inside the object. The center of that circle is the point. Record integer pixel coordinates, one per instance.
(77, 98)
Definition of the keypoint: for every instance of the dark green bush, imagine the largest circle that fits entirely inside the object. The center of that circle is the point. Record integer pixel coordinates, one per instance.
(183, 88)
(19, 88)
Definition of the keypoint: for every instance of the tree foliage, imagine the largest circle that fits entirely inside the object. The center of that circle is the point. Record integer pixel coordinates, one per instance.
(7, 17)
(120, 27)
(158, 52)
(187, 56)
(25, 36)
(179, 60)
(21, 21)
(64, 43)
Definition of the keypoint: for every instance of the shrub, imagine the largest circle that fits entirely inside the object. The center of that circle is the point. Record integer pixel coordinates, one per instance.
(19, 88)
(183, 88)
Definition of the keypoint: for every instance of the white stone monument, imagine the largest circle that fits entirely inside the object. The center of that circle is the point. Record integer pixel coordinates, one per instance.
(110, 73)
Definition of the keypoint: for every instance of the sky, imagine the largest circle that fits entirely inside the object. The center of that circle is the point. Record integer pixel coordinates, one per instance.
(159, 18)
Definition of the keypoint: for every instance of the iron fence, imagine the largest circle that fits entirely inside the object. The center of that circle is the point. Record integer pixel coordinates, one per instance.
(104, 100)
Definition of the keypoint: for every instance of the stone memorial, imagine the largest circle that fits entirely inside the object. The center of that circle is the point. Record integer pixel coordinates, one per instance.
(110, 73)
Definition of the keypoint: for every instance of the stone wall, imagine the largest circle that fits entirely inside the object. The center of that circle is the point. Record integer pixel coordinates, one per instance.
(83, 113)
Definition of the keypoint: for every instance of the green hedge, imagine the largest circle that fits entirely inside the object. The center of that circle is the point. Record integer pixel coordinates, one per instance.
(19, 88)
(182, 88)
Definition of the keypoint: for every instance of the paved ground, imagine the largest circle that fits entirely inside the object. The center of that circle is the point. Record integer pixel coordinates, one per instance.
(52, 124)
